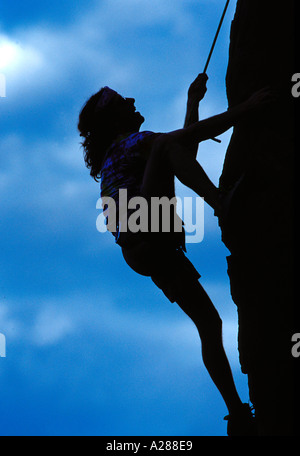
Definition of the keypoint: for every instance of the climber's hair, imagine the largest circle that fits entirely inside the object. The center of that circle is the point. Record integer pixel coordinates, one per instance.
(96, 127)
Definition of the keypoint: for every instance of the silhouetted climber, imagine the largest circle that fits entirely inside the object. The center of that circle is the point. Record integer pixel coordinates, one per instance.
(145, 163)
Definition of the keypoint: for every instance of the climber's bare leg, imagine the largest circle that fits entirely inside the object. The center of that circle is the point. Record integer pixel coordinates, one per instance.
(165, 162)
(169, 159)
(195, 302)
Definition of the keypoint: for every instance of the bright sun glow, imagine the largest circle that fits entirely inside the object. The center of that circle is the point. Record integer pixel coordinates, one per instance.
(8, 54)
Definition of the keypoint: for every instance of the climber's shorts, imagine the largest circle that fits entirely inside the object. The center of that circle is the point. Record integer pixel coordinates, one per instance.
(168, 267)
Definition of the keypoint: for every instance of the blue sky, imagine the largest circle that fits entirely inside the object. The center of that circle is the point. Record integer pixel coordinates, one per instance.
(93, 348)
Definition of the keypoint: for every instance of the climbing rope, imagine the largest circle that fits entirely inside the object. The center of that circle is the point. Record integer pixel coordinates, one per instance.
(216, 37)
(213, 47)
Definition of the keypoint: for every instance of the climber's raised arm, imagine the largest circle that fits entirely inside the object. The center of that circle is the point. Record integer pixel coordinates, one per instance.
(196, 93)
(216, 125)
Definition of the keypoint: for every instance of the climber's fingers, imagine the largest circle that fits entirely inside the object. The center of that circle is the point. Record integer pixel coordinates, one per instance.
(261, 98)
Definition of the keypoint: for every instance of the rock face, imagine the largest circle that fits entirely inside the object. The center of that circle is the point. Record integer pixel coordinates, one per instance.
(259, 229)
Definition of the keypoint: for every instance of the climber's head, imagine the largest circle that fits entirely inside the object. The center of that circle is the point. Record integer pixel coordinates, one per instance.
(120, 111)
(104, 117)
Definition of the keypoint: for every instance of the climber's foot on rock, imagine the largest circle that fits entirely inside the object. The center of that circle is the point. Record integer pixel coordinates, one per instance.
(242, 422)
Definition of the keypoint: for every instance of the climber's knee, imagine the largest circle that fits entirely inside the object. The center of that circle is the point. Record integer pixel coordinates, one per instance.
(208, 320)
(195, 302)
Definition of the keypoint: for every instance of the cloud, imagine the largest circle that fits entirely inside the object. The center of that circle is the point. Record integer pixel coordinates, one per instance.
(16, 57)
(40, 166)
(53, 321)
(21, 63)
(34, 64)
(51, 326)
(36, 69)
(10, 326)
(8, 52)
(100, 46)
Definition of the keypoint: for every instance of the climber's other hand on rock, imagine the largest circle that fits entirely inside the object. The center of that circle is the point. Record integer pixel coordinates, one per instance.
(260, 99)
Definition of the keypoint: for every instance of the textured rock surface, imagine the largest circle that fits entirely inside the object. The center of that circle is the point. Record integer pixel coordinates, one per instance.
(259, 231)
